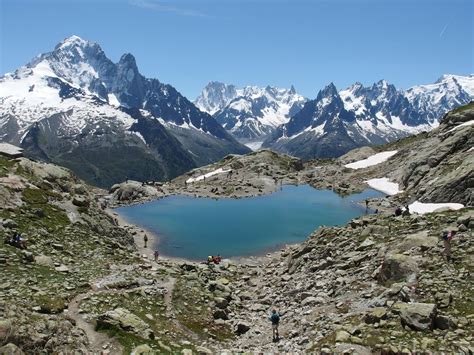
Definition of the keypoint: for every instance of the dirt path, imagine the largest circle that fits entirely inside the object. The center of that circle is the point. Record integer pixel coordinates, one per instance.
(168, 298)
(99, 342)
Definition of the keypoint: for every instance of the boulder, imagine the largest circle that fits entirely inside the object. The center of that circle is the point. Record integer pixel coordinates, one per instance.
(417, 316)
(11, 349)
(221, 302)
(443, 299)
(342, 336)
(376, 315)
(444, 322)
(28, 256)
(397, 267)
(220, 314)
(44, 260)
(62, 268)
(142, 350)
(242, 328)
(366, 244)
(125, 320)
(6, 328)
(80, 201)
(9, 223)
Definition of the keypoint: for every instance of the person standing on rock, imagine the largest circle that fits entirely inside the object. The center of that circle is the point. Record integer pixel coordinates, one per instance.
(275, 319)
(156, 255)
(145, 240)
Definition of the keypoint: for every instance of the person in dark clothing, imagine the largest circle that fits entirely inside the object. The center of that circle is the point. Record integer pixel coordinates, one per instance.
(398, 212)
(145, 240)
(275, 319)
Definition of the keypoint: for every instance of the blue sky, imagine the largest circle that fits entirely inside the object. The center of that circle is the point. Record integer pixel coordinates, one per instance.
(308, 43)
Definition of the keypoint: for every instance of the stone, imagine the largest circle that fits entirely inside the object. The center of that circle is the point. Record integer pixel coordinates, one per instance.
(221, 302)
(80, 201)
(28, 256)
(10, 349)
(220, 314)
(342, 336)
(9, 223)
(444, 322)
(417, 316)
(62, 268)
(443, 299)
(126, 320)
(376, 315)
(366, 244)
(142, 350)
(242, 328)
(397, 267)
(203, 350)
(44, 260)
(6, 328)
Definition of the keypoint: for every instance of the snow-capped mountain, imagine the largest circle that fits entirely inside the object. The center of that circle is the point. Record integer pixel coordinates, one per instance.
(336, 122)
(250, 113)
(75, 107)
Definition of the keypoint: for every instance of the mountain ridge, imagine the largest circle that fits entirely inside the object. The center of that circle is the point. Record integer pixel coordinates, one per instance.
(84, 95)
(338, 121)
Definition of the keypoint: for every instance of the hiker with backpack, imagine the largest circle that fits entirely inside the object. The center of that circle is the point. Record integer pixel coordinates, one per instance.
(275, 319)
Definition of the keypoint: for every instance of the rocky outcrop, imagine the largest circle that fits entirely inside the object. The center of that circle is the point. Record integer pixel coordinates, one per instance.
(417, 316)
(125, 320)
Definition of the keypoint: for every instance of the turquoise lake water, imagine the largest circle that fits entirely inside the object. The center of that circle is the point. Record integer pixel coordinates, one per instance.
(193, 228)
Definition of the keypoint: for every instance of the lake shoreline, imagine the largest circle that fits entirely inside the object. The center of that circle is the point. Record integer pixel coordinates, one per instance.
(296, 194)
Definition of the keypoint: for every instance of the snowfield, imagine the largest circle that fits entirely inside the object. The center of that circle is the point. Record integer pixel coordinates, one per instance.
(372, 160)
(422, 208)
(384, 185)
(212, 173)
(468, 123)
(254, 145)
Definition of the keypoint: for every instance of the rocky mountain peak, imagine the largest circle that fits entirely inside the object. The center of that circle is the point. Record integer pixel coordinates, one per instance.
(328, 92)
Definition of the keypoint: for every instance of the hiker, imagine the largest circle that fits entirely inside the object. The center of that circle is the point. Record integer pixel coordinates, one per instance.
(216, 259)
(447, 237)
(398, 212)
(406, 211)
(145, 240)
(156, 255)
(275, 319)
(210, 259)
(367, 204)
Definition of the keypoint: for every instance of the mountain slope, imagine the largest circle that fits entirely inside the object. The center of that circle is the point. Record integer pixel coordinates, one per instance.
(251, 113)
(336, 122)
(74, 106)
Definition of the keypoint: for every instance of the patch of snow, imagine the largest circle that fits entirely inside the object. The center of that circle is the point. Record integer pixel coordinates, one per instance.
(384, 185)
(422, 208)
(212, 173)
(113, 100)
(468, 123)
(372, 160)
(10, 149)
(254, 145)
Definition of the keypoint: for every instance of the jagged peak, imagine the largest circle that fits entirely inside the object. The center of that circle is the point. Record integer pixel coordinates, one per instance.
(128, 58)
(329, 90)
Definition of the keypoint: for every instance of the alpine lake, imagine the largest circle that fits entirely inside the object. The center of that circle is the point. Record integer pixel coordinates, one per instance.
(193, 228)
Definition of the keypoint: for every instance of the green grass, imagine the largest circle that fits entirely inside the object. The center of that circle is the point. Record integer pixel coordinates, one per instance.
(469, 106)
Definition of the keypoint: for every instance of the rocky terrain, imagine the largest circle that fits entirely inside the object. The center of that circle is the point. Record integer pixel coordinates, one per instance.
(380, 284)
